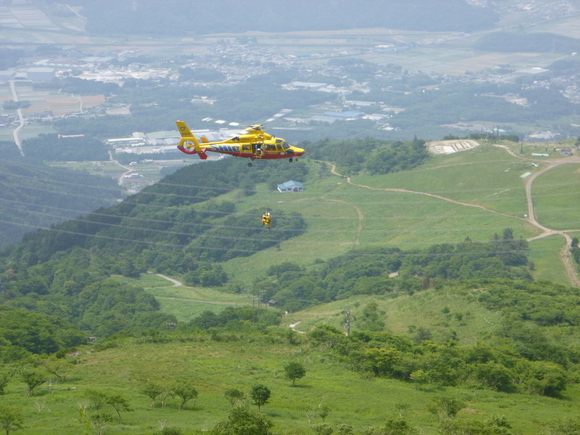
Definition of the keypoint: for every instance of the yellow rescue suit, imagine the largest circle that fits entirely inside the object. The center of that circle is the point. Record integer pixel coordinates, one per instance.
(267, 220)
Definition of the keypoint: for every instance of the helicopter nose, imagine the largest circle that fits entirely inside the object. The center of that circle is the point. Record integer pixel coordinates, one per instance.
(298, 151)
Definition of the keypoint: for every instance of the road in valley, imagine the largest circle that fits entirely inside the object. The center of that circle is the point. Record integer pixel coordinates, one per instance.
(16, 132)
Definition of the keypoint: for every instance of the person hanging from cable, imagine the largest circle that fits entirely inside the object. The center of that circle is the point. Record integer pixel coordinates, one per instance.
(267, 220)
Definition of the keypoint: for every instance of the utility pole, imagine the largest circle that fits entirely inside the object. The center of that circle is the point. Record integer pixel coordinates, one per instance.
(253, 310)
(347, 324)
(254, 315)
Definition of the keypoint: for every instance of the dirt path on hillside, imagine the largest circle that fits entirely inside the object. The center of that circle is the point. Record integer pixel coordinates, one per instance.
(509, 151)
(174, 281)
(394, 189)
(564, 254)
(179, 284)
(200, 301)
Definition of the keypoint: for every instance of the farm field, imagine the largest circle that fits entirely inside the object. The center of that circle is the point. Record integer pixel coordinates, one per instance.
(54, 102)
(107, 168)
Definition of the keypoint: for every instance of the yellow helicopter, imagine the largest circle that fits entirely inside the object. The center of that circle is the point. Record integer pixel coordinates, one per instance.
(254, 144)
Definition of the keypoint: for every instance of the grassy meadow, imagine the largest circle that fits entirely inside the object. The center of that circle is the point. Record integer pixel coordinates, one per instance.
(557, 199)
(486, 175)
(545, 254)
(185, 302)
(216, 366)
(443, 313)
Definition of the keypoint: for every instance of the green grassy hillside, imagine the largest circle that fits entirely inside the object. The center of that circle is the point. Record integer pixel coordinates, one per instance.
(545, 253)
(473, 194)
(442, 329)
(441, 313)
(215, 366)
(557, 198)
(186, 303)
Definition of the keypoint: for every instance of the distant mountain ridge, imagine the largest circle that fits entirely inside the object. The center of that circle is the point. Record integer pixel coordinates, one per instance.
(174, 17)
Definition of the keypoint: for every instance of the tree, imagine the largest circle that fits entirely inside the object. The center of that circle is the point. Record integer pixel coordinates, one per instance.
(33, 379)
(152, 391)
(419, 377)
(100, 421)
(323, 410)
(494, 426)
(4, 380)
(344, 429)
(10, 419)
(322, 429)
(399, 426)
(496, 376)
(185, 391)
(166, 394)
(234, 395)
(119, 403)
(96, 399)
(446, 407)
(260, 394)
(568, 426)
(58, 368)
(381, 361)
(294, 370)
(243, 421)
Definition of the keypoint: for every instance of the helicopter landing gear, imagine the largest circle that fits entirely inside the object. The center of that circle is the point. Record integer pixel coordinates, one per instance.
(290, 159)
(250, 164)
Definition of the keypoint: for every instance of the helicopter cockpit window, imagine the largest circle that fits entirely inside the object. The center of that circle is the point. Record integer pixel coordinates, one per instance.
(270, 147)
(285, 145)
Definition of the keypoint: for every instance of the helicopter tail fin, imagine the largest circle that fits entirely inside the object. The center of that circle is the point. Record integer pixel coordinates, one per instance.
(189, 143)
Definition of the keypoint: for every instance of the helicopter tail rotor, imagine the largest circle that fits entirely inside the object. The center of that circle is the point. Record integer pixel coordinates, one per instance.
(189, 143)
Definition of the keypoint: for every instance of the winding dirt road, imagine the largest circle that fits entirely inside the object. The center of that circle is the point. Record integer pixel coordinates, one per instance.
(565, 253)
(565, 256)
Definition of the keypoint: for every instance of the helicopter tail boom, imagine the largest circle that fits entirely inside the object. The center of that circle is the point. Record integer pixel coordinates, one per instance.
(189, 143)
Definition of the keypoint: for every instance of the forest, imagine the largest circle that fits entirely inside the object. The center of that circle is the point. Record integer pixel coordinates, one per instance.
(366, 271)
(52, 147)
